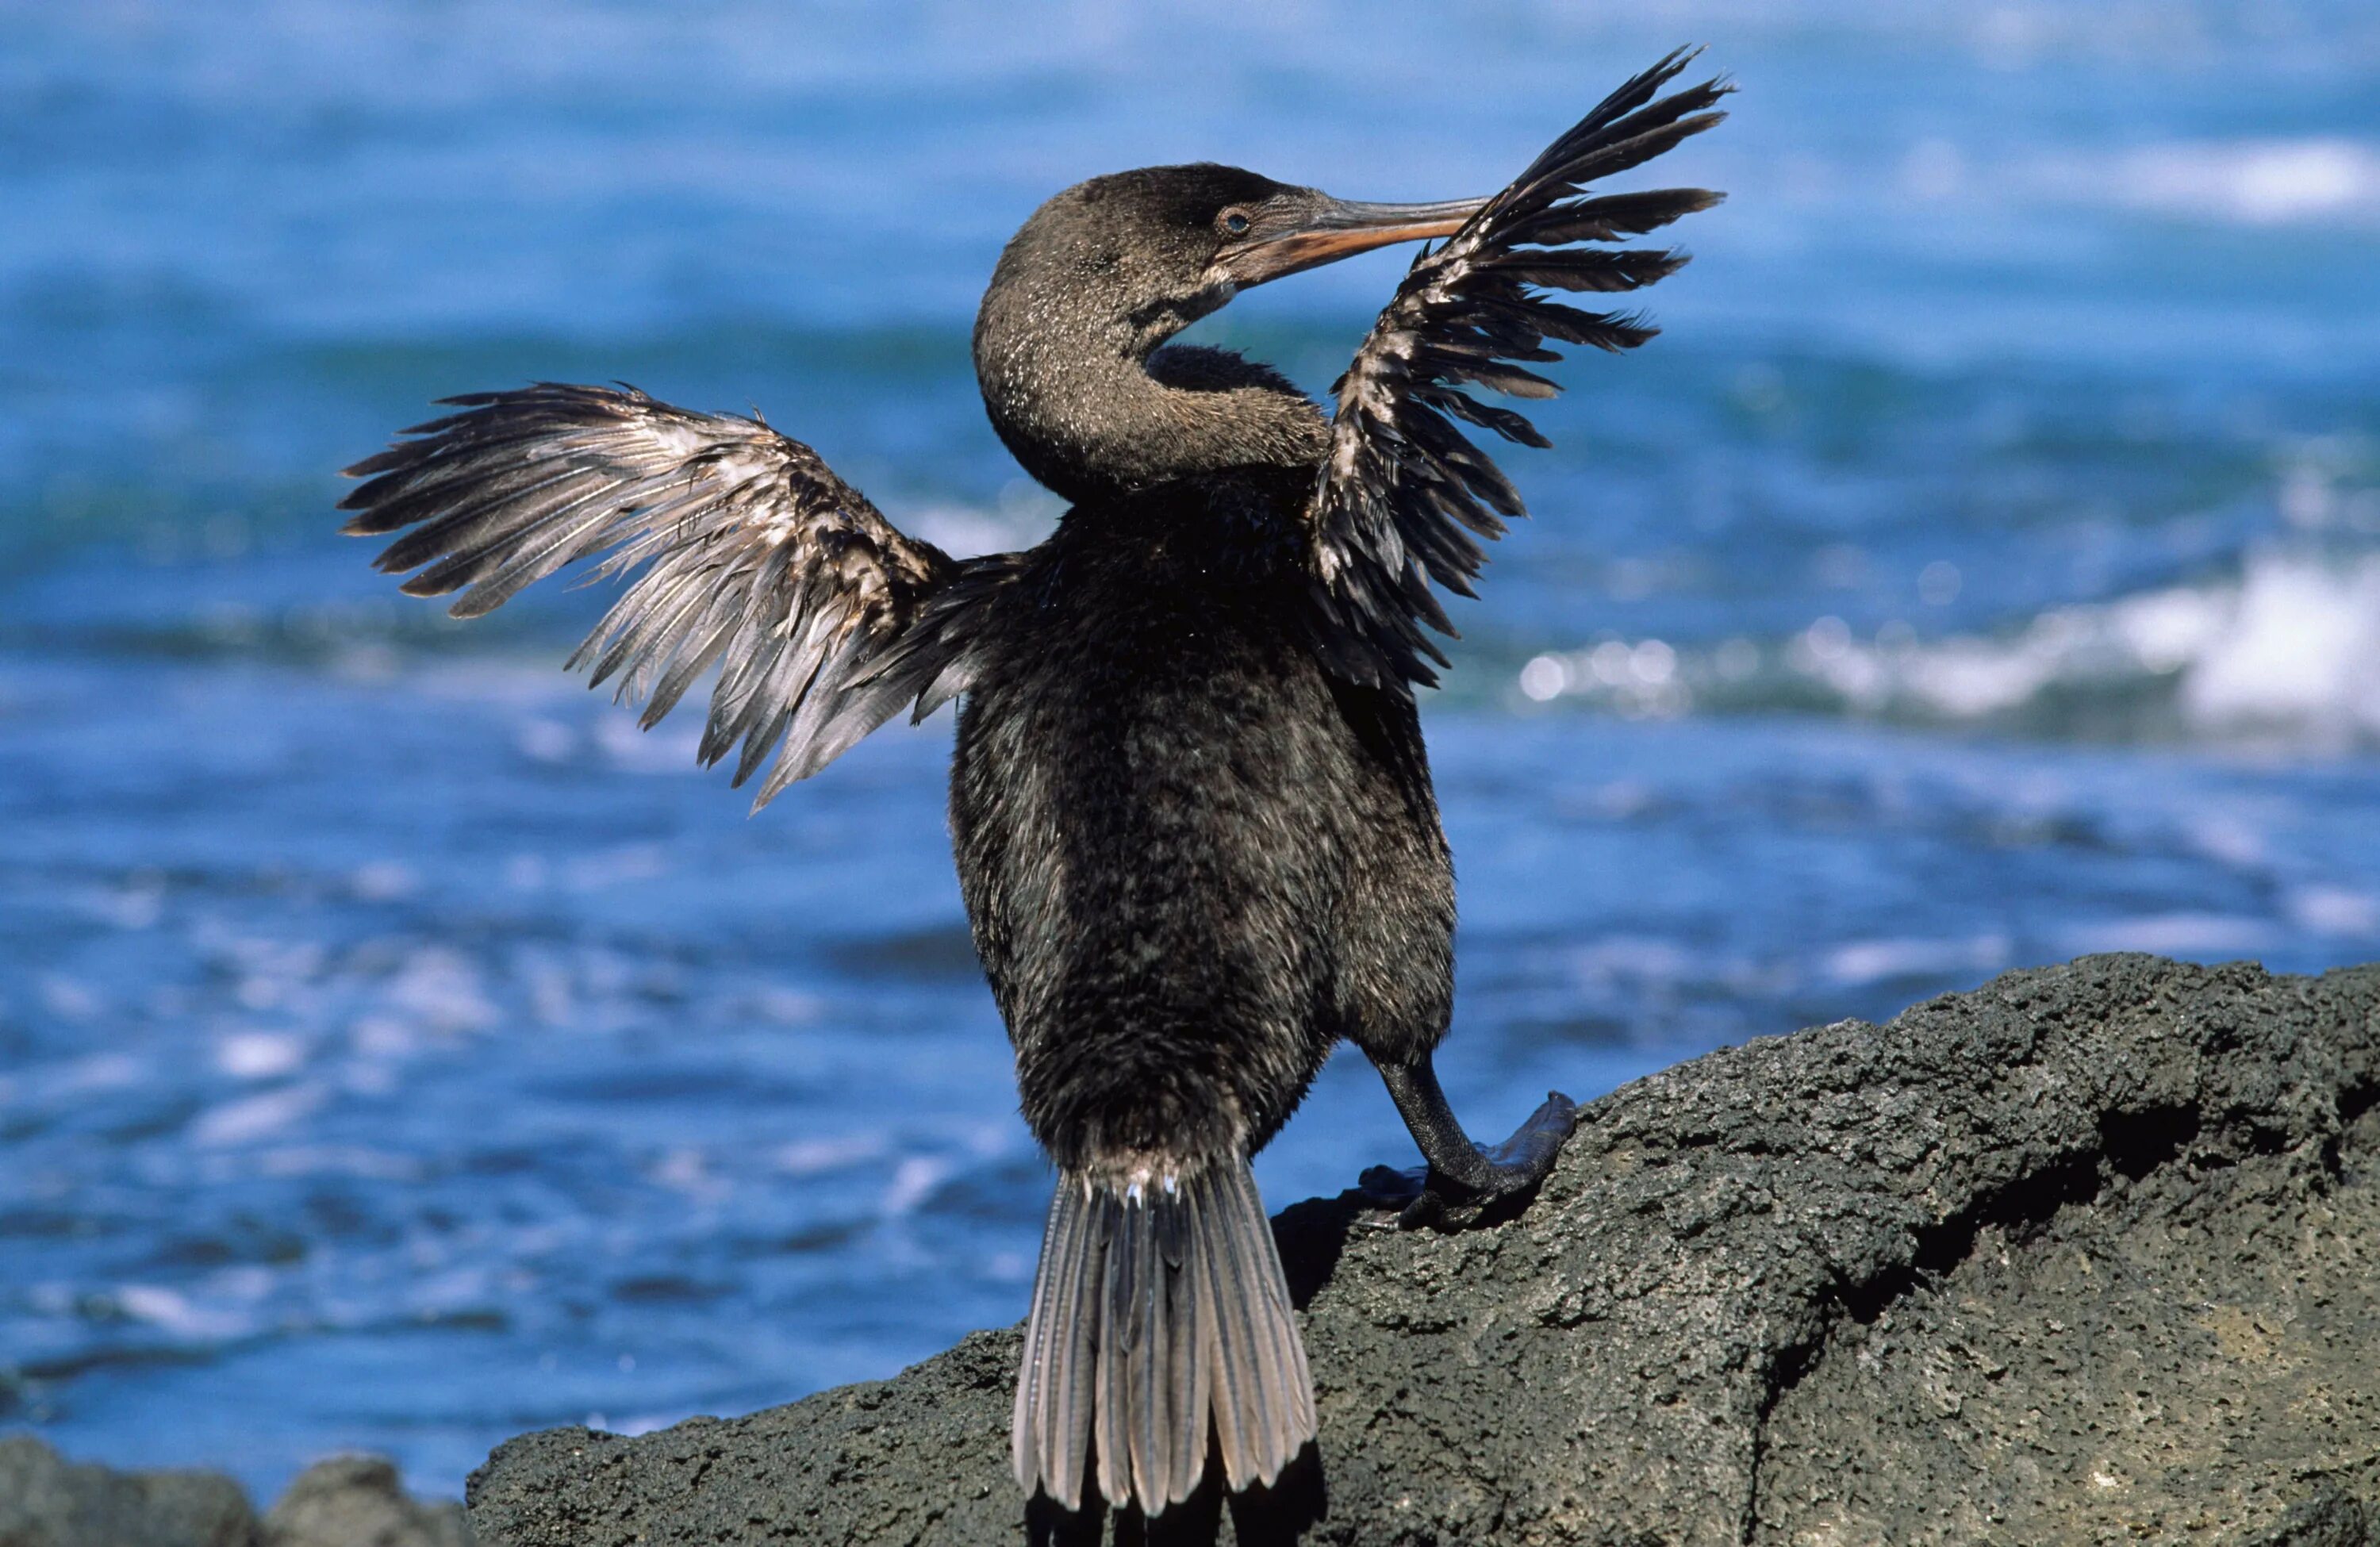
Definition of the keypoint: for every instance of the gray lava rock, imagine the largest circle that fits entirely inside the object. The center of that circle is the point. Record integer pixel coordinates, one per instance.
(46, 1501)
(350, 1501)
(355, 1501)
(2090, 1254)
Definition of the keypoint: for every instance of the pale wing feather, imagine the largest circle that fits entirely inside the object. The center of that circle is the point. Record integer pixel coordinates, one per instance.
(740, 549)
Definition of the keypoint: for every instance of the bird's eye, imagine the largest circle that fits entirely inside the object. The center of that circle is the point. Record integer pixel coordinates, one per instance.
(1235, 223)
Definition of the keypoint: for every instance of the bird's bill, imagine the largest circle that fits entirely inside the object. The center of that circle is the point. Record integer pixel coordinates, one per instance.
(1292, 234)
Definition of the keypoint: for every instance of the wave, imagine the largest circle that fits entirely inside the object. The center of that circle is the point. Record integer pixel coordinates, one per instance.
(2323, 180)
(2278, 654)
(2308, 181)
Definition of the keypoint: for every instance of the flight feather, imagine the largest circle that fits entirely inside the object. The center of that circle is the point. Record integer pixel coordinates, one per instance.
(744, 550)
(1405, 496)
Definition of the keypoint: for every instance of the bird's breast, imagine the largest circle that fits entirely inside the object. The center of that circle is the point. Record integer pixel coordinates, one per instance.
(1151, 755)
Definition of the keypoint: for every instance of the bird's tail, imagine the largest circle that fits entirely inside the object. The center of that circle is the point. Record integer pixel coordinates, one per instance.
(1159, 1302)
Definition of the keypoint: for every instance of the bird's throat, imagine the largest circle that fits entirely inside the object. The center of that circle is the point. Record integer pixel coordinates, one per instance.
(1089, 420)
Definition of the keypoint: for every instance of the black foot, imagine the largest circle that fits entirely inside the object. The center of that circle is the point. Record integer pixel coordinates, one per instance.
(1507, 1177)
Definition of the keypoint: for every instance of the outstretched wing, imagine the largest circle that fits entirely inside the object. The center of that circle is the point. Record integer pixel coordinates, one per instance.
(1403, 491)
(748, 551)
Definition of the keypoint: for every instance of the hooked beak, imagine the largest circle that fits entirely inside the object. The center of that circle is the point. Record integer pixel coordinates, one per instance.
(1293, 233)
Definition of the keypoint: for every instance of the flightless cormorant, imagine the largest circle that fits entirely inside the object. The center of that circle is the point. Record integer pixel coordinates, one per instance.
(1192, 814)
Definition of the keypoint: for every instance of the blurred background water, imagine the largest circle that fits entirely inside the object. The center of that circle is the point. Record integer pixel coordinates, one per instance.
(398, 1050)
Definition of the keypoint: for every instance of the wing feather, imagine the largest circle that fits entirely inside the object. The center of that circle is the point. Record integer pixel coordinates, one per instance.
(1404, 493)
(741, 549)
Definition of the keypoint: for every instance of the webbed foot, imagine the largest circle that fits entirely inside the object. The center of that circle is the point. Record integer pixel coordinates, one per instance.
(1495, 1186)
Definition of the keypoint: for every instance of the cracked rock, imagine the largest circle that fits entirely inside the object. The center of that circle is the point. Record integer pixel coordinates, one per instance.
(2090, 1254)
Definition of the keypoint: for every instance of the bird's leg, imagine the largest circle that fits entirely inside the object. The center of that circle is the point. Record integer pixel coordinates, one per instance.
(1464, 1182)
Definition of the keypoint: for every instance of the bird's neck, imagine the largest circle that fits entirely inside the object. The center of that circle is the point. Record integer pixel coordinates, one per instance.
(1090, 417)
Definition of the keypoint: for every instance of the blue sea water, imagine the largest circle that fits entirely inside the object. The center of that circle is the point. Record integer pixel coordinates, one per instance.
(398, 1050)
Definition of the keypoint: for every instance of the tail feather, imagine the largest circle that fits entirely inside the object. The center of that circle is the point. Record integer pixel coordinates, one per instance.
(1060, 1408)
(1263, 1410)
(1188, 1365)
(1159, 1313)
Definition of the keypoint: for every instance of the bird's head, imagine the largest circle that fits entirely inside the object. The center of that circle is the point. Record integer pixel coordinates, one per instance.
(1108, 271)
(1143, 254)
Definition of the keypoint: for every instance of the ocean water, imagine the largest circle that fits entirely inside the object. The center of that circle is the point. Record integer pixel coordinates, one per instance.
(398, 1050)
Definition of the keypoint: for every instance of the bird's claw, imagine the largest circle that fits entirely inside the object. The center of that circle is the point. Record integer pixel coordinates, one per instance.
(1426, 1197)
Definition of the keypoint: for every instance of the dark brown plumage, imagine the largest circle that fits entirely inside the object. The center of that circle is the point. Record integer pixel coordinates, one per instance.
(1404, 489)
(1191, 805)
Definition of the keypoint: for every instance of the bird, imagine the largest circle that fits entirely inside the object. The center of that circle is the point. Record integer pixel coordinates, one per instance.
(1190, 801)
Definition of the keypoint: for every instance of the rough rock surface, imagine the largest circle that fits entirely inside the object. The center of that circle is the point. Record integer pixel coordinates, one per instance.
(2090, 1254)
(355, 1501)
(46, 1501)
(349, 1500)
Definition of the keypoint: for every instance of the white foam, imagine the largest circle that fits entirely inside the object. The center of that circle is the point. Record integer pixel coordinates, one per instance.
(254, 1117)
(544, 739)
(686, 1170)
(1617, 958)
(914, 1181)
(2227, 837)
(383, 881)
(2280, 653)
(2175, 935)
(784, 1006)
(2335, 910)
(259, 1055)
(1860, 962)
(812, 1157)
(2295, 646)
(442, 989)
(647, 1423)
(1019, 521)
(670, 747)
(2255, 182)
(170, 1310)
